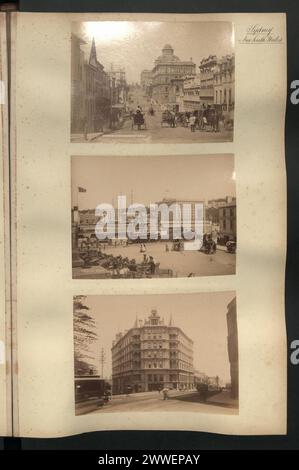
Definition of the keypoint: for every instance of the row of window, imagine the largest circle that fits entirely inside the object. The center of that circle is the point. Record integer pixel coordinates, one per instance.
(223, 77)
(224, 96)
(228, 225)
(227, 212)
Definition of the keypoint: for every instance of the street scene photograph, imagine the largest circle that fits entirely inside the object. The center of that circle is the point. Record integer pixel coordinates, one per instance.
(152, 82)
(153, 216)
(169, 352)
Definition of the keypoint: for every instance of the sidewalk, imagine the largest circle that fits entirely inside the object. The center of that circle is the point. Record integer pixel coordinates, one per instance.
(90, 137)
(79, 137)
(137, 394)
(151, 394)
(223, 399)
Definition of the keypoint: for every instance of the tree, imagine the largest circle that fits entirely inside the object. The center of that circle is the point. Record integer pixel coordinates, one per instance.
(84, 336)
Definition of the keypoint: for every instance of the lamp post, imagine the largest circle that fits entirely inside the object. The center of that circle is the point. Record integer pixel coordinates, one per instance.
(112, 86)
(102, 361)
(76, 259)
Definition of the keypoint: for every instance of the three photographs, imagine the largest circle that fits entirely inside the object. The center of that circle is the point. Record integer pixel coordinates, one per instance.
(157, 216)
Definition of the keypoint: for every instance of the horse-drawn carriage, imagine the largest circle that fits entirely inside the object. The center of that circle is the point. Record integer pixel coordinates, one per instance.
(138, 120)
(209, 246)
(169, 119)
(208, 119)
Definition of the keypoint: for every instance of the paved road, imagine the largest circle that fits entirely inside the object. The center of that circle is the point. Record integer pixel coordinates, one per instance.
(153, 401)
(155, 132)
(182, 263)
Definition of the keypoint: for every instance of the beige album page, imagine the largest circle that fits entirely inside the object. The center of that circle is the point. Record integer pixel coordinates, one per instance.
(5, 345)
(117, 118)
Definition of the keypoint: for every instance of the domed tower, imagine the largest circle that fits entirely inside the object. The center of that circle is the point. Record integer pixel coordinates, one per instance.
(168, 74)
(168, 53)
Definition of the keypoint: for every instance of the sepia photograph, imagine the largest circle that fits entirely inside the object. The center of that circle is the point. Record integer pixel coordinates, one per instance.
(153, 216)
(152, 82)
(156, 353)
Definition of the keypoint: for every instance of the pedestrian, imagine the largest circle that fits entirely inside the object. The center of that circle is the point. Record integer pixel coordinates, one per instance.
(172, 118)
(84, 124)
(192, 121)
(152, 265)
(165, 393)
(216, 124)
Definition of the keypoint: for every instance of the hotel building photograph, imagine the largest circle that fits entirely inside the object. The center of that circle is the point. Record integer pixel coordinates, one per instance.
(156, 352)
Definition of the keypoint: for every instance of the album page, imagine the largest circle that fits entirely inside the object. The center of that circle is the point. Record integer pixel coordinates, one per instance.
(149, 222)
(5, 311)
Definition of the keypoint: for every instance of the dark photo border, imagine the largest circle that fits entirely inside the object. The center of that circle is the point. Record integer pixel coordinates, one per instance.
(192, 440)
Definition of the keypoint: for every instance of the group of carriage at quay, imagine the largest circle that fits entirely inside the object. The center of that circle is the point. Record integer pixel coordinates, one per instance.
(209, 118)
(94, 252)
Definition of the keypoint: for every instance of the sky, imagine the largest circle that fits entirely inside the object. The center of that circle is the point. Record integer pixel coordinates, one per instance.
(202, 317)
(136, 45)
(151, 178)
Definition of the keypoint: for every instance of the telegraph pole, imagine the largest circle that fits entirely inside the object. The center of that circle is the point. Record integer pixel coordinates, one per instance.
(102, 361)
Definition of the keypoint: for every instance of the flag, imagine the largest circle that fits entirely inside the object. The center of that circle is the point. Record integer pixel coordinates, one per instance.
(81, 190)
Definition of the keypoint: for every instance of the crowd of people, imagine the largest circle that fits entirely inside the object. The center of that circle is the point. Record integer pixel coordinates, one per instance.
(204, 119)
(119, 266)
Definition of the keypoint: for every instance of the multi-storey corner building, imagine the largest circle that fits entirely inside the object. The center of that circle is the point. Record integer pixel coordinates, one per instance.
(151, 356)
(167, 73)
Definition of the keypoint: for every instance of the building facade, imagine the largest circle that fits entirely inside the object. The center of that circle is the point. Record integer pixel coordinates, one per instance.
(151, 356)
(186, 208)
(78, 84)
(118, 95)
(228, 220)
(207, 68)
(91, 94)
(146, 81)
(232, 346)
(97, 107)
(192, 93)
(168, 67)
(224, 83)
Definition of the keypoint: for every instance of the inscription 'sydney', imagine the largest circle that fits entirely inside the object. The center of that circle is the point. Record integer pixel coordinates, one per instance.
(261, 34)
